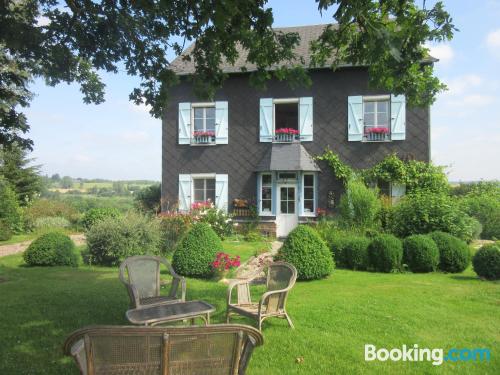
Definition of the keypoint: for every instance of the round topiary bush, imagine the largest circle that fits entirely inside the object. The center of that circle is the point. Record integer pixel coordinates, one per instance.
(420, 253)
(196, 251)
(51, 249)
(356, 253)
(454, 254)
(306, 250)
(385, 253)
(486, 262)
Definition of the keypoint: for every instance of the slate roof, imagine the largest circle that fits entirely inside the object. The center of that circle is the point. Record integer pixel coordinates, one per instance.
(302, 51)
(287, 157)
(306, 33)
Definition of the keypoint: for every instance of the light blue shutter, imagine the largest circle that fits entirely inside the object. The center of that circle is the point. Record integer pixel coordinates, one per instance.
(266, 120)
(184, 123)
(221, 194)
(355, 118)
(306, 118)
(184, 192)
(221, 122)
(398, 117)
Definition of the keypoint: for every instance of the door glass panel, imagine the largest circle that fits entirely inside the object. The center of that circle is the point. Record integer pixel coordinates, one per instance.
(283, 207)
(287, 200)
(291, 207)
(291, 194)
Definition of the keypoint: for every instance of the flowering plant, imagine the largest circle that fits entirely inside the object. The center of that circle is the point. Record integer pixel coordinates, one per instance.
(321, 212)
(287, 131)
(223, 262)
(201, 133)
(378, 130)
(202, 205)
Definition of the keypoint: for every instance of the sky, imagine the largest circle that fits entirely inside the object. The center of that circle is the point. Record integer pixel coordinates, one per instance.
(119, 140)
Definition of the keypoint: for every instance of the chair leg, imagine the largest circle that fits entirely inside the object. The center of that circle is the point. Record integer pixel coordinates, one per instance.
(289, 321)
(260, 325)
(227, 316)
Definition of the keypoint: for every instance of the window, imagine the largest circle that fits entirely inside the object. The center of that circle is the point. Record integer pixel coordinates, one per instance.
(204, 190)
(376, 119)
(266, 194)
(286, 120)
(203, 124)
(287, 199)
(309, 194)
(287, 175)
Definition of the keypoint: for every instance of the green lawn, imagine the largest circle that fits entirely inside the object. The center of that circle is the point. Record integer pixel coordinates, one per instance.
(334, 318)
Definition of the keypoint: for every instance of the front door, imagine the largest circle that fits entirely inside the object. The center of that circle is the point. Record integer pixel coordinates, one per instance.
(287, 217)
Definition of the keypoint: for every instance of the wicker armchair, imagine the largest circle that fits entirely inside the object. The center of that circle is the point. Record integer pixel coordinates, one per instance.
(115, 350)
(141, 277)
(280, 279)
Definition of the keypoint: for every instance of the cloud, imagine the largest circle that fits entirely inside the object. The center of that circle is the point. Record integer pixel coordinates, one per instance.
(43, 21)
(493, 42)
(141, 108)
(472, 101)
(82, 158)
(461, 84)
(443, 52)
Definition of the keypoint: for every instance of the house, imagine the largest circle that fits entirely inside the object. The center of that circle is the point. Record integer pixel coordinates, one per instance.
(258, 146)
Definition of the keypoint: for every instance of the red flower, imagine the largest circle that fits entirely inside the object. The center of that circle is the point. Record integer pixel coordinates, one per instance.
(378, 130)
(224, 261)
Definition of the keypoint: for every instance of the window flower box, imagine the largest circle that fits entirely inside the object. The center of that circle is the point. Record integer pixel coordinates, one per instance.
(377, 134)
(286, 135)
(203, 137)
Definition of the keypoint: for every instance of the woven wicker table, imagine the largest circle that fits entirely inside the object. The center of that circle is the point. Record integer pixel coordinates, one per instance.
(172, 312)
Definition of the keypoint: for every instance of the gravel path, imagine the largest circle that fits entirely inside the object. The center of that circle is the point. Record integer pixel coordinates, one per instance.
(78, 239)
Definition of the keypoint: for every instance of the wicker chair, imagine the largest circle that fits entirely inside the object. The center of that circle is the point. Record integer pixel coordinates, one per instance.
(115, 350)
(280, 279)
(141, 276)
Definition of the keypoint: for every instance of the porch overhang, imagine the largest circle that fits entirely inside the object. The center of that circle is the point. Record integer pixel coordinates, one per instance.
(287, 157)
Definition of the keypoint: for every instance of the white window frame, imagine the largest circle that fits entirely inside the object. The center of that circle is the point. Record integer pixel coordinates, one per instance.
(203, 176)
(202, 105)
(315, 203)
(285, 101)
(261, 211)
(377, 98)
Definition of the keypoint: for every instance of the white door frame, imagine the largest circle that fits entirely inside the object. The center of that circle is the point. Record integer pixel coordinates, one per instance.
(286, 222)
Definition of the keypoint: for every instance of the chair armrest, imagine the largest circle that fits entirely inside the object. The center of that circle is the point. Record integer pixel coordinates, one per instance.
(231, 286)
(176, 280)
(266, 295)
(134, 296)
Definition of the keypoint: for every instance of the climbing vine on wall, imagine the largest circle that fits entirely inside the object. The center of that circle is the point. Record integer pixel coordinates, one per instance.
(340, 169)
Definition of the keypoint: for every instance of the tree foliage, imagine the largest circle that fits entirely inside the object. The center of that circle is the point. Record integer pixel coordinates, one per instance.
(72, 40)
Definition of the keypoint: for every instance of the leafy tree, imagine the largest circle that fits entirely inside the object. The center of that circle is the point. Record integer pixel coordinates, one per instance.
(149, 199)
(71, 40)
(16, 169)
(9, 207)
(66, 182)
(55, 177)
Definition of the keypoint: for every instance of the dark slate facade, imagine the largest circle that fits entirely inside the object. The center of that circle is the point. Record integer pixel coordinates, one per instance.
(240, 157)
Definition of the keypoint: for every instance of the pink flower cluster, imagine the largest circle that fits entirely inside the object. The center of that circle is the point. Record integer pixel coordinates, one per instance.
(287, 131)
(223, 262)
(201, 205)
(378, 130)
(200, 133)
(321, 211)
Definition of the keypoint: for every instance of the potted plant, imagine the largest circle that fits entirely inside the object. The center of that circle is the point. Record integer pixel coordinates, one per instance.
(201, 136)
(378, 133)
(286, 134)
(223, 263)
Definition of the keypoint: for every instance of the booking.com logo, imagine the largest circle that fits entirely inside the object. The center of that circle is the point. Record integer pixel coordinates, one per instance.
(415, 354)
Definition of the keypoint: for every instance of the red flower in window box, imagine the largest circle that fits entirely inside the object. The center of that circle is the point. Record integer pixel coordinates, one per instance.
(200, 133)
(287, 131)
(378, 130)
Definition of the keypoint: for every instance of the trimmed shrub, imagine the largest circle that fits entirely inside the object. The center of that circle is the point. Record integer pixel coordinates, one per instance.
(5, 231)
(385, 253)
(220, 221)
(173, 226)
(454, 254)
(336, 240)
(308, 252)
(95, 215)
(115, 238)
(486, 262)
(196, 252)
(359, 206)
(425, 212)
(420, 253)
(44, 223)
(355, 253)
(51, 249)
